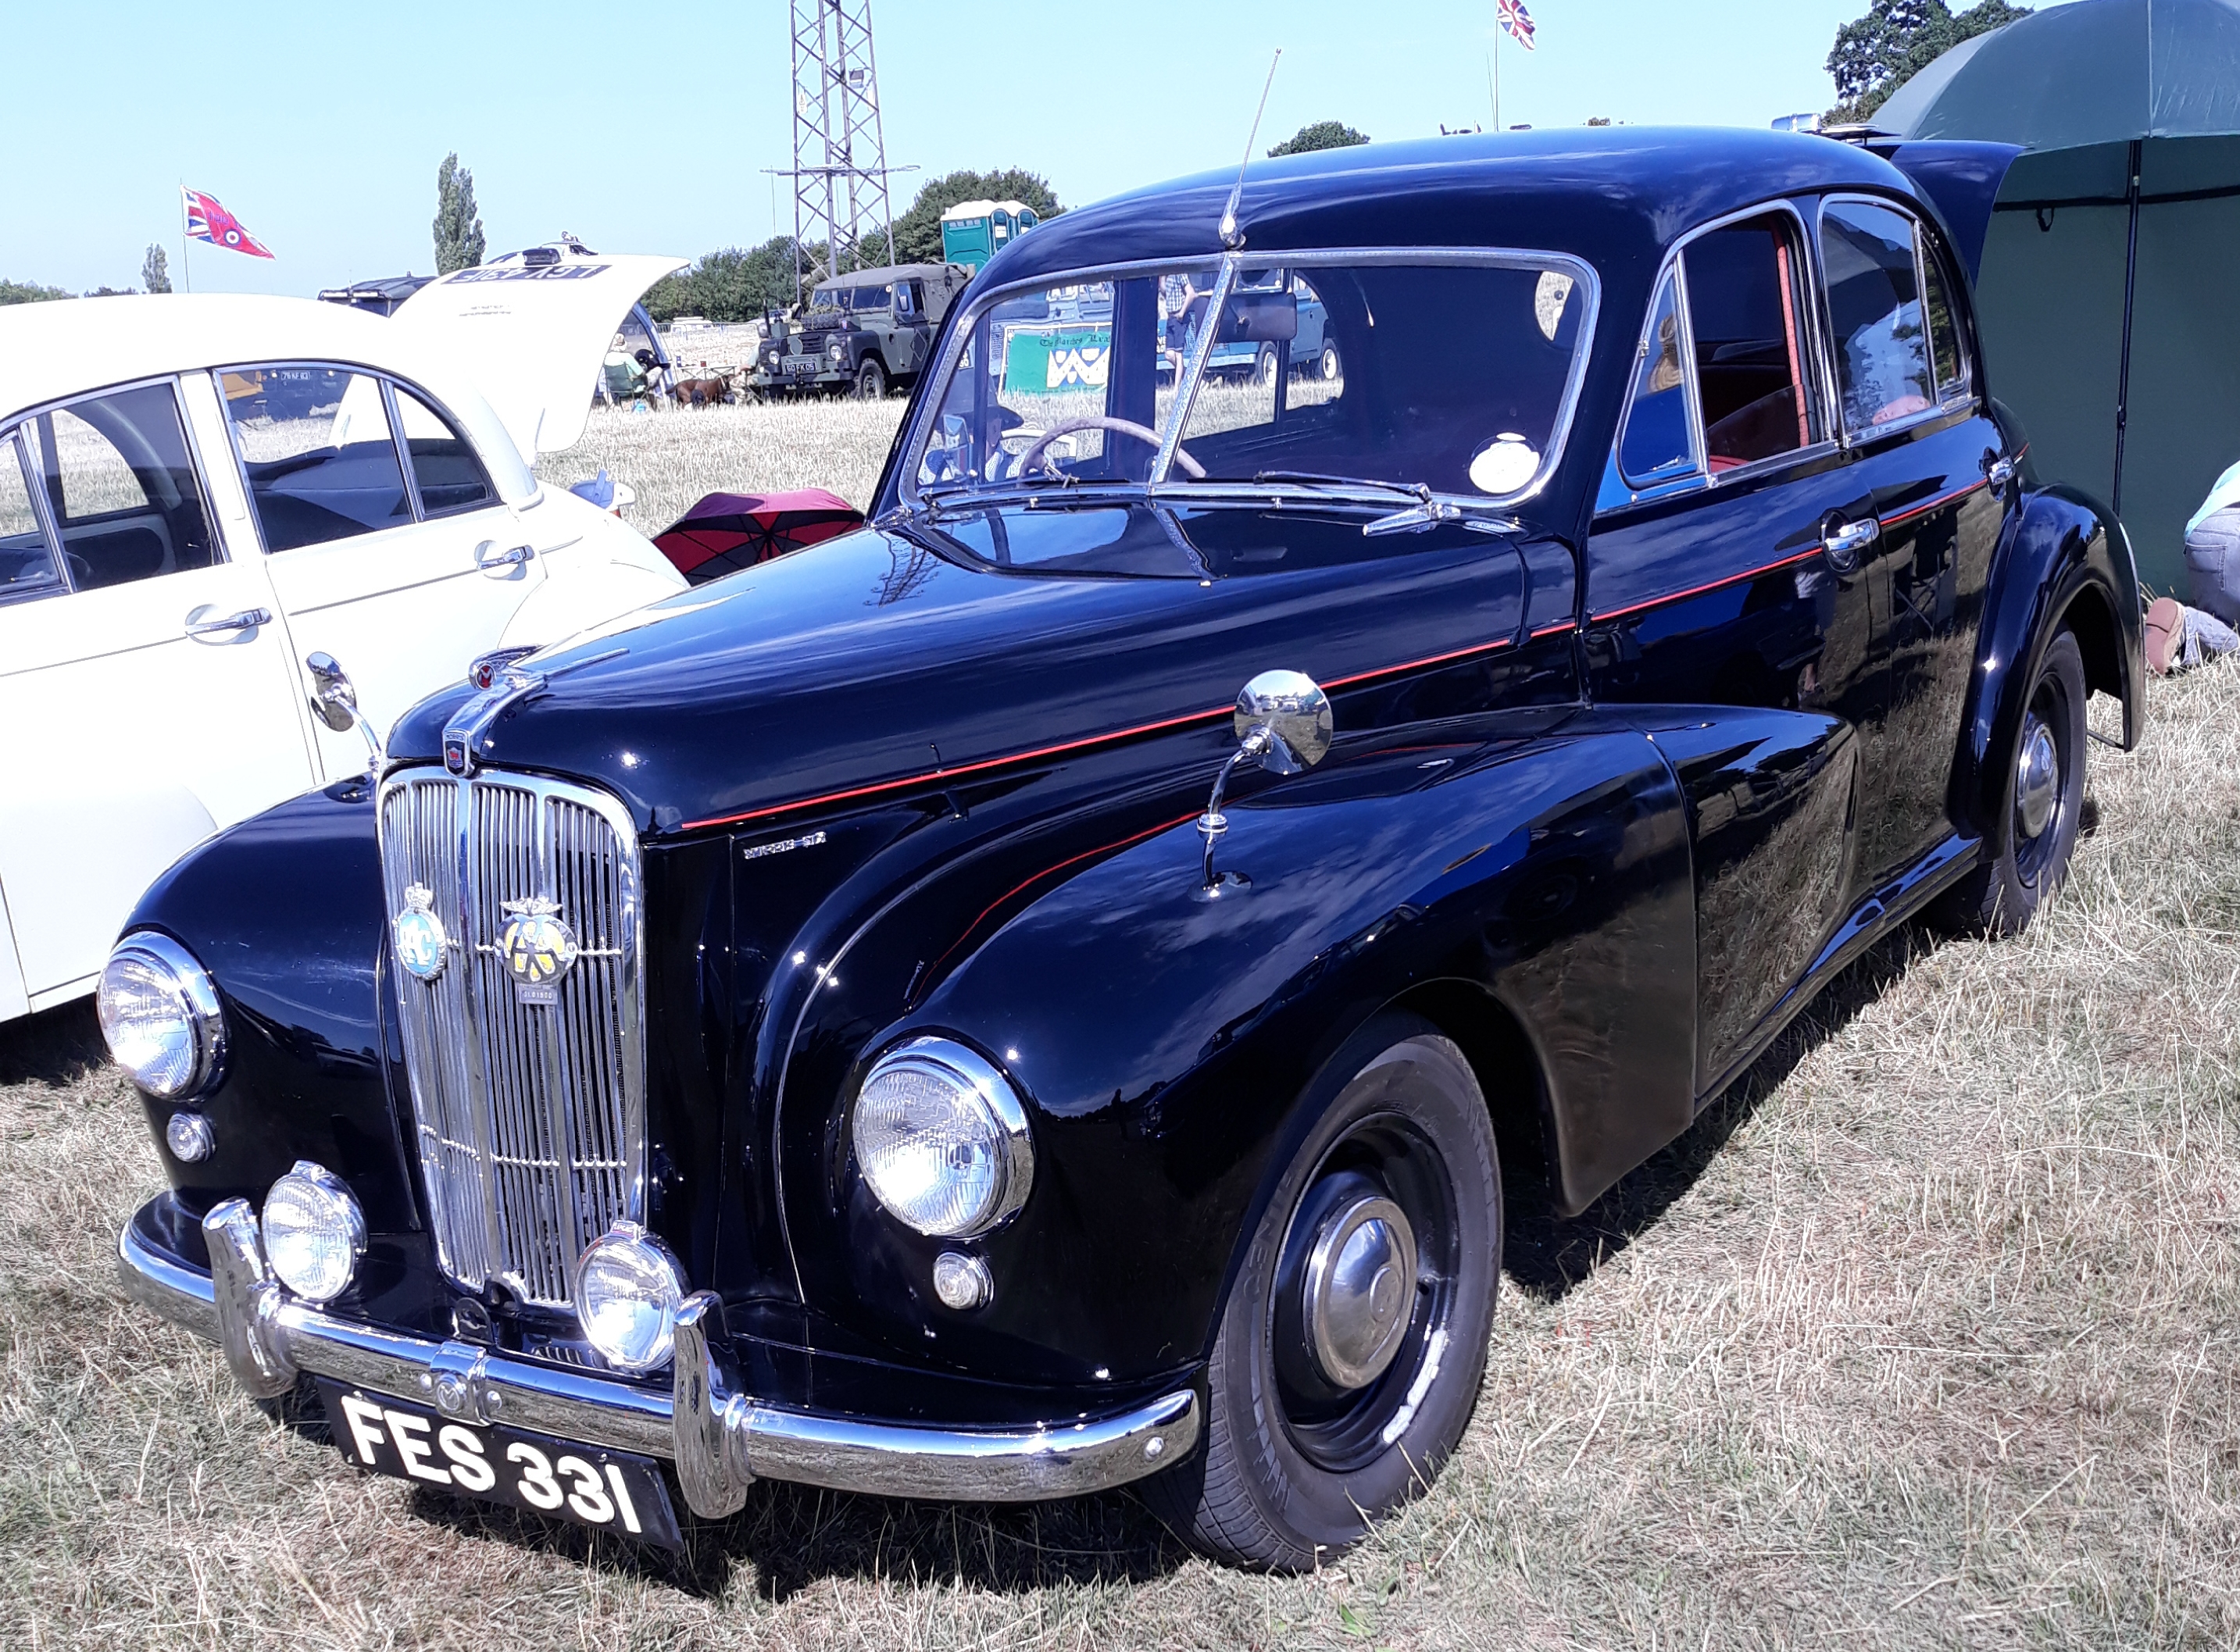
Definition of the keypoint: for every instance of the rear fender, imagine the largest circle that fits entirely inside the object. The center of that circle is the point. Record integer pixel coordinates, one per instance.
(1162, 1038)
(2062, 560)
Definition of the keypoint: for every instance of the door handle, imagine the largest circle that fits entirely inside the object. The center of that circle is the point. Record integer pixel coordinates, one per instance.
(487, 557)
(248, 620)
(2001, 475)
(1846, 541)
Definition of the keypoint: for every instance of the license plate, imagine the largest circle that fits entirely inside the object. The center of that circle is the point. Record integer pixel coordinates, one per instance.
(608, 1490)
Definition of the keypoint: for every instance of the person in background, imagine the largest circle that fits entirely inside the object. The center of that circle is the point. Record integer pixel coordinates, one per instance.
(2212, 550)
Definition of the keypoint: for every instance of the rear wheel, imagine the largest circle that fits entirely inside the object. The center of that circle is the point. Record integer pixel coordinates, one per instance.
(870, 382)
(1264, 367)
(2044, 802)
(1329, 362)
(1349, 1355)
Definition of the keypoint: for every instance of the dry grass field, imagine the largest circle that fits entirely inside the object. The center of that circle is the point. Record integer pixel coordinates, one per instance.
(1927, 1336)
(672, 457)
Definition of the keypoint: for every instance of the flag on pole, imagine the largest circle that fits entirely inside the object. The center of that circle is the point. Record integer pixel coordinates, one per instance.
(1516, 20)
(208, 221)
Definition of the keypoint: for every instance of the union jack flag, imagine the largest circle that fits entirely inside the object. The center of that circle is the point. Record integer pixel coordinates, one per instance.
(208, 221)
(1512, 15)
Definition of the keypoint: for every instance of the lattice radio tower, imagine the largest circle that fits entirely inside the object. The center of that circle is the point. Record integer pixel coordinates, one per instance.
(840, 168)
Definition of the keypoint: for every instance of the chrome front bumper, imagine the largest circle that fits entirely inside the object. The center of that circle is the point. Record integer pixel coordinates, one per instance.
(720, 1439)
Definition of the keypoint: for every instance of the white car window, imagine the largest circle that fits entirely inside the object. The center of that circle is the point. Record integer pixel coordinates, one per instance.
(27, 565)
(122, 486)
(445, 467)
(315, 444)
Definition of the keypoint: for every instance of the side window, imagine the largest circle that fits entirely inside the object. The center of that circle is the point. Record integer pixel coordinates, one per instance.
(315, 442)
(1945, 355)
(1658, 444)
(1874, 301)
(27, 565)
(445, 467)
(1745, 304)
(121, 487)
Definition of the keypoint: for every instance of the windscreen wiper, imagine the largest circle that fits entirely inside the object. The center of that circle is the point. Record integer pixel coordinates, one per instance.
(1428, 510)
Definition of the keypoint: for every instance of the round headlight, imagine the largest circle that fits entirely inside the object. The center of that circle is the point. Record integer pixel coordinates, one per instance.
(314, 1232)
(839, 351)
(160, 1016)
(943, 1140)
(628, 1287)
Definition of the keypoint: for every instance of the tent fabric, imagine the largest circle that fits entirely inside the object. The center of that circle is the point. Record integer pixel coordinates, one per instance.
(2105, 289)
(726, 532)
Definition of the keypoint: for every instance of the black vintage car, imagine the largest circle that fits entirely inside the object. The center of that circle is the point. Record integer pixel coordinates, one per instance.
(897, 1019)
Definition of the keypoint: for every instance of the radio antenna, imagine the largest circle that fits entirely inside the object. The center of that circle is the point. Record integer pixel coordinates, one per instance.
(1232, 236)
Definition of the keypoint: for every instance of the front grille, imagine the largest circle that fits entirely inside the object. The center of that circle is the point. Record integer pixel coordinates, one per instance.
(529, 1115)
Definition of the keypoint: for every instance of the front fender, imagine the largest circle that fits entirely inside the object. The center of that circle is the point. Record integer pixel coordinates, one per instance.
(1162, 1038)
(2062, 558)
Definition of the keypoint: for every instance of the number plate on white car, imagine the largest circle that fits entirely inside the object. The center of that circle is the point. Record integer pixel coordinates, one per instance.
(610, 1490)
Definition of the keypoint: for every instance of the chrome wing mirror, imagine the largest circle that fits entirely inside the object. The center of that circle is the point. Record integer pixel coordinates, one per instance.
(1283, 724)
(334, 701)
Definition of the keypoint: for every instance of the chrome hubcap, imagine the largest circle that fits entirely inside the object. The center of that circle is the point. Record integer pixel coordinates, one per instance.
(1360, 1291)
(2037, 780)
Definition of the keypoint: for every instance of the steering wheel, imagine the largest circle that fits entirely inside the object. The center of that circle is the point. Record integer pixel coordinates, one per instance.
(1033, 455)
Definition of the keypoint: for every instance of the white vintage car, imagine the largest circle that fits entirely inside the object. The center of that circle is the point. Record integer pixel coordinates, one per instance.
(199, 493)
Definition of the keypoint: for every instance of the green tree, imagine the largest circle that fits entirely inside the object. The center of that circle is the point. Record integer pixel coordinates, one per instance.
(918, 232)
(156, 270)
(1877, 53)
(459, 241)
(27, 292)
(731, 284)
(1323, 135)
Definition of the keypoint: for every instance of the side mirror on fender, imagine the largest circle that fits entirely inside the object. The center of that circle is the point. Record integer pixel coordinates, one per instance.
(1283, 724)
(334, 701)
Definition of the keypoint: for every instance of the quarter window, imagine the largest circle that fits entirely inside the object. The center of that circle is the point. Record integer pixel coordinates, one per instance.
(445, 467)
(1745, 309)
(1874, 301)
(315, 444)
(1659, 442)
(1943, 327)
(27, 565)
(121, 487)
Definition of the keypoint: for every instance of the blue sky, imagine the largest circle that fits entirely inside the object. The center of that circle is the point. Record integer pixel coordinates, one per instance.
(646, 129)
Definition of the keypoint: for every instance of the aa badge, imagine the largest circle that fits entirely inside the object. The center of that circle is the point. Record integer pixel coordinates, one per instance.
(537, 948)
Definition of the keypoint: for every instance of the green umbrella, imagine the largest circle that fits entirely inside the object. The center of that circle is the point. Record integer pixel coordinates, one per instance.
(2106, 290)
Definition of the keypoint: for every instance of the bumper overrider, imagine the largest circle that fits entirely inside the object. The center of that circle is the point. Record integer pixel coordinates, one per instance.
(720, 1439)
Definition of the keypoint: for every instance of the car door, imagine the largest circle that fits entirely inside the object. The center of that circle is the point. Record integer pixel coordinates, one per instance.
(1719, 577)
(389, 548)
(147, 696)
(1922, 444)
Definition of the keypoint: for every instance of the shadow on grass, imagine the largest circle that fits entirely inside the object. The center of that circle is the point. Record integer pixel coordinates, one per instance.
(1547, 1256)
(794, 1536)
(56, 1047)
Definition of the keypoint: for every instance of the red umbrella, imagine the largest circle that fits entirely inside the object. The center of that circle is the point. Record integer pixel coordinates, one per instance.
(728, 531)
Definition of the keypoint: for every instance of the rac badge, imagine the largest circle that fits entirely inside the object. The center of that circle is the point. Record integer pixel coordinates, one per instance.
(537, 948)
(421, 946)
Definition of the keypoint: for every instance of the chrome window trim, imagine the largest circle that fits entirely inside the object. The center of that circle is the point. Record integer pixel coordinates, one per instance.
(1584, 276)
(473, 1015)
(1937, 409)
(1819, 369)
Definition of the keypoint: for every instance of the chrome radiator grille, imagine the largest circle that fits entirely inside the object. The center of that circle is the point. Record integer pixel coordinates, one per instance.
(528, 1099)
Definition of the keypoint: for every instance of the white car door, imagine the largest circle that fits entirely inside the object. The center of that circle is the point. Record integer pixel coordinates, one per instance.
(147, 696)
(397, 558)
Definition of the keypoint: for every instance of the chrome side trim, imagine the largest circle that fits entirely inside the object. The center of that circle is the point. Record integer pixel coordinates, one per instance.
(720, 1438)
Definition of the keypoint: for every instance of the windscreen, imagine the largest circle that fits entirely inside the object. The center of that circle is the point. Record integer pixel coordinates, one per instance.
(1448, 373)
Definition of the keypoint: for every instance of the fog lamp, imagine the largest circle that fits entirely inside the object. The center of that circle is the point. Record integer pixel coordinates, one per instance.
(314, 1232)
(160, 1016)
(942, 1139)
(628, 1287)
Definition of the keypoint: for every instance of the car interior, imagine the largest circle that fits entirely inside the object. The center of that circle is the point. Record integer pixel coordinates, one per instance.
(121, 487)
(1745, 302)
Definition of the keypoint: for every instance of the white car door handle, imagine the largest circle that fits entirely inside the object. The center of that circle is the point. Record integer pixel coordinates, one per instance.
(248, 620)
(487, 557)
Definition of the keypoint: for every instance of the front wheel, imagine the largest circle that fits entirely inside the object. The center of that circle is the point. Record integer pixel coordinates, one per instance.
(2045, 804)
(1349, 1355)
(870, 382)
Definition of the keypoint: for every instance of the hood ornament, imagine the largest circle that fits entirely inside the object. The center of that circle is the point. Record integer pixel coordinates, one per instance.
(1283, 724)
(537, 948)
(421, 946)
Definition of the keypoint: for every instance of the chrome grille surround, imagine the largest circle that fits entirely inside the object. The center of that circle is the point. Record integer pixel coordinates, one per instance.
(529, 1119)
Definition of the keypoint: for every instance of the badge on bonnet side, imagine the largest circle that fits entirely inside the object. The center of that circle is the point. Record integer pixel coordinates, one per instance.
(537, 949)
(421, 946)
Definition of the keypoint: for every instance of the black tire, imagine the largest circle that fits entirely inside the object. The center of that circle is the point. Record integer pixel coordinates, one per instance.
(1293, 1466)
(2037, 825)
(1264, 365)
(1328, 363)
(870, 381)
